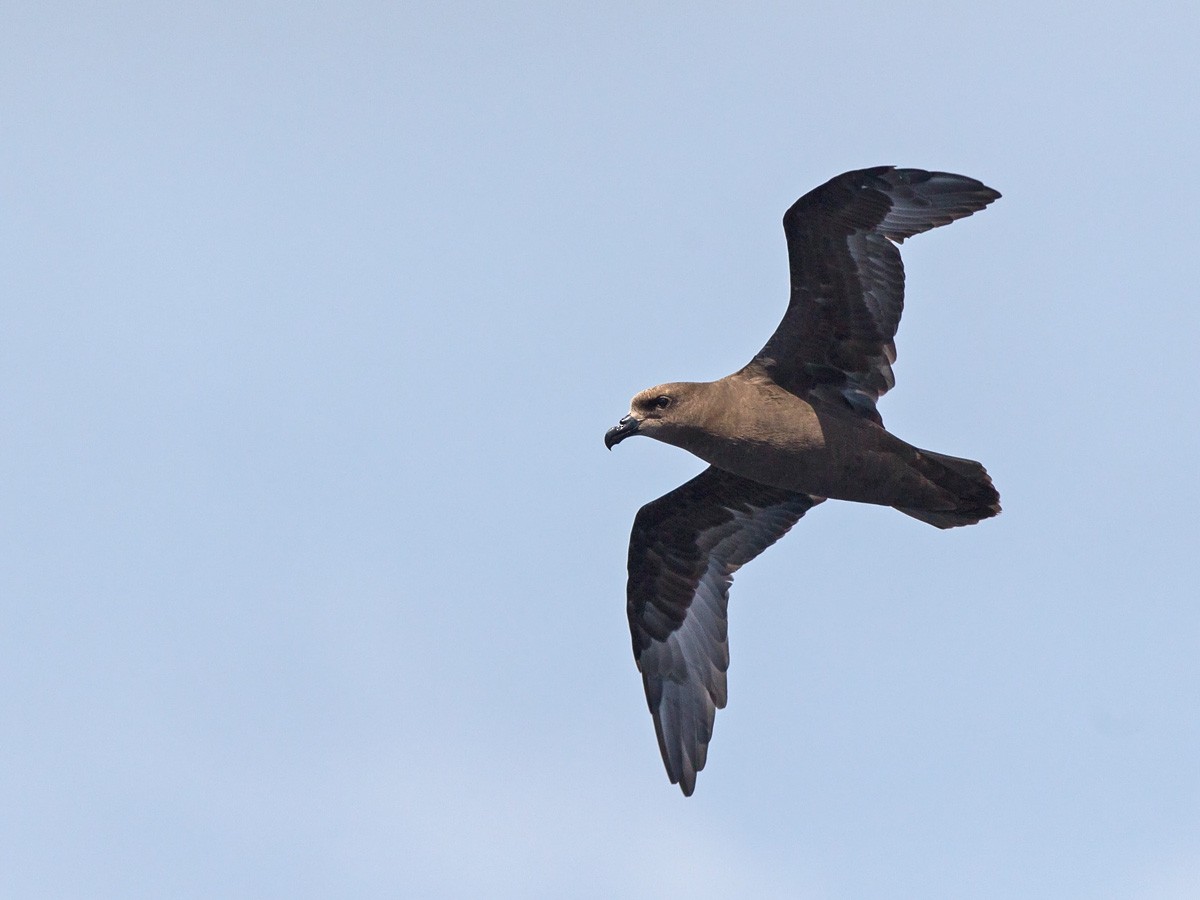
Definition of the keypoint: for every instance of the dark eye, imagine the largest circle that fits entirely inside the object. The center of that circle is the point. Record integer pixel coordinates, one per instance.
(662, 402)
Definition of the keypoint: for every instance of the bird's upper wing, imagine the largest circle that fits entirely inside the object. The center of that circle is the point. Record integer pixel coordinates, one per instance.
(836, 340)
(683, 551)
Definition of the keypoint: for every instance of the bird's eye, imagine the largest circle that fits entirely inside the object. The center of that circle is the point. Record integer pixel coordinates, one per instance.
(662, 402)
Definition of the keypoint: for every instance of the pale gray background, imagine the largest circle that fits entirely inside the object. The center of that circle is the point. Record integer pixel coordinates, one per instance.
(312, 566)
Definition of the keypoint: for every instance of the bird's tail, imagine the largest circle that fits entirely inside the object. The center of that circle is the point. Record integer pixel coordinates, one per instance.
(966, 480)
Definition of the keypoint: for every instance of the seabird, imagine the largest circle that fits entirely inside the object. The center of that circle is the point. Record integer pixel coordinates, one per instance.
(796, 426)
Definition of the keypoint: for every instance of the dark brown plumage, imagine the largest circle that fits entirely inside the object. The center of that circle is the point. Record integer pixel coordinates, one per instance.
(796, 425)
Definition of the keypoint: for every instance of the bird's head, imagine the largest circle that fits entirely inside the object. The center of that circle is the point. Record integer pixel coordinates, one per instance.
(656, 412)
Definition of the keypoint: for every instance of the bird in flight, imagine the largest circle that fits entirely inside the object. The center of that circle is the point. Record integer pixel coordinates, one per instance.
(796, 426)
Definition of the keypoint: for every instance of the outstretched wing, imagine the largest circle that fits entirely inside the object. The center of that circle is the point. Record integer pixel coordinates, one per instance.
(683, 551)
(836, 340)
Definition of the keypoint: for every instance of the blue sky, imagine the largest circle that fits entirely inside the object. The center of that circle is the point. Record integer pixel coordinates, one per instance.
(312, 564)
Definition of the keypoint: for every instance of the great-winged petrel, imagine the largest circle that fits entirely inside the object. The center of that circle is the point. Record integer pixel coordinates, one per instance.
(795, 426)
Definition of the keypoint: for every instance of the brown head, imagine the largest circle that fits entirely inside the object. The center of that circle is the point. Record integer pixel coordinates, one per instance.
(661, 412)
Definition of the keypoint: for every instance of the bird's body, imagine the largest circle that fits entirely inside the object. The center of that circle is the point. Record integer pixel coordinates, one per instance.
(753, 428)
(795, 426)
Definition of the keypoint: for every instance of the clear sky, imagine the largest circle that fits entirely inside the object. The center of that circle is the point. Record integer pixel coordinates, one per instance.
(312, 318)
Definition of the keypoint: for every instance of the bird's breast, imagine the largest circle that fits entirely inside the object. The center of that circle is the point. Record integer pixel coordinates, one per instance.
(794, 446)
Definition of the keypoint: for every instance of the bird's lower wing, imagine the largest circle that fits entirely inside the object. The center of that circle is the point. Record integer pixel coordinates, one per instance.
(683, 551)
